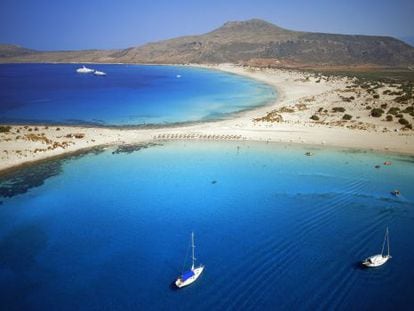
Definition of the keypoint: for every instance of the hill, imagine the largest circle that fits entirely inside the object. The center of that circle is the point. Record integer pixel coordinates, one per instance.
(255, 42)
(9, 50)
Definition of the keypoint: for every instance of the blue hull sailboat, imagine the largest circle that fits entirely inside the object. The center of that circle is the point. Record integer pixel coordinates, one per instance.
(191, 275)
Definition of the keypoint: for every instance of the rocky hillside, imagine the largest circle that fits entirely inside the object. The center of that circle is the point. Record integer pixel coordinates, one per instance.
(9, 51)
(254, 41)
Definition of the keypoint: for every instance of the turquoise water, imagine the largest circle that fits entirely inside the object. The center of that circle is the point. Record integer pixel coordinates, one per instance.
(128, 95)
(274, 228)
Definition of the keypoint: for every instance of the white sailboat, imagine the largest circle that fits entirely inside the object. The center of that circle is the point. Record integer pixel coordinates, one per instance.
(380, 259)
(191, 275)
(84, 70)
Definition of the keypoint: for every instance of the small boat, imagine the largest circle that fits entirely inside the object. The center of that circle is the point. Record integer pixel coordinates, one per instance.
(380, 259)
(191, 275)
(387, 163)
(178, 76)
(84, 70)
(99, 73)
(396, 192)
(309, 154)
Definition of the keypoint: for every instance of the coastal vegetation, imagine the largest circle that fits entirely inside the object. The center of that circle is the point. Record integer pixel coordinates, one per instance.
(360, 99)
(338, 109)
(377, 112)
(5, 128)
(314, 117)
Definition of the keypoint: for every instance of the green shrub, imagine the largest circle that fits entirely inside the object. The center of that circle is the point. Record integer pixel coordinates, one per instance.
(389, 117)
(5, 129)
(403, 121)
(347, 99)
(377, 112)
(347, 117)
(338, 109)
(376, 96)
(394, 110)
(315, 117)
(401, 99)
(408, 110)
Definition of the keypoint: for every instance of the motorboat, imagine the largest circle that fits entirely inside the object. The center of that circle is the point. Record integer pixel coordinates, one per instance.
(84, 70)
(99, 73)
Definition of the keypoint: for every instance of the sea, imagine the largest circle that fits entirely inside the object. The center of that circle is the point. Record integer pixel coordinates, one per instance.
(275, 229)
(127, 95)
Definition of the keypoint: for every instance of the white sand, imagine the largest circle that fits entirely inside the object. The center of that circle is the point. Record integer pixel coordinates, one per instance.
(299, 92)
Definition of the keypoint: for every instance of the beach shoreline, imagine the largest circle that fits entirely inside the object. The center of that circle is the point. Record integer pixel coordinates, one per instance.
(299, 94)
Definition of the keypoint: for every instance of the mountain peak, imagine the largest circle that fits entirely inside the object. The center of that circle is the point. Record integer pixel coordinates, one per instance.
(253, 24)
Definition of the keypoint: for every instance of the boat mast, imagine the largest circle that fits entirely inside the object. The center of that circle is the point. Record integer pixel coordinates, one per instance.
(388, 242)
(192, 246)
(383, 243)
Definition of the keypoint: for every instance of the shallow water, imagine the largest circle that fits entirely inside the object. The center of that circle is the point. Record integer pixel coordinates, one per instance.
(274, 228)
(128, 95)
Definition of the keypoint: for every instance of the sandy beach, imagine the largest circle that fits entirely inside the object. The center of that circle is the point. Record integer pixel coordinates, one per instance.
(310, 109)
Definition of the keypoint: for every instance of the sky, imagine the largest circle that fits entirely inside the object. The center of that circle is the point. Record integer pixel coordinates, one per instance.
(104, 24)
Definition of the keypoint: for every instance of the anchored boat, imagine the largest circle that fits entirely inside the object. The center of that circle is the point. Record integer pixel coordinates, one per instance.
(396, 192)
(191, 275)
(380, 259)
(84, 70)
(99, 73)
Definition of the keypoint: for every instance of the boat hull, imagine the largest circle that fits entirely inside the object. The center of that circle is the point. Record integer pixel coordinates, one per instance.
(84, 70)
(375, 261)
(197, 272)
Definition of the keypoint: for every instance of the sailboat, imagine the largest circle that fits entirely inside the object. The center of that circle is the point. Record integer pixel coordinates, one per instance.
(191, 275)
(380, 259)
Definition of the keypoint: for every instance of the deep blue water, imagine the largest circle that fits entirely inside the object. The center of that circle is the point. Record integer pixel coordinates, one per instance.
(128, 95)
(274, 228)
